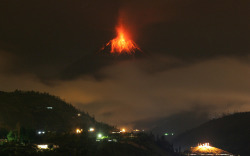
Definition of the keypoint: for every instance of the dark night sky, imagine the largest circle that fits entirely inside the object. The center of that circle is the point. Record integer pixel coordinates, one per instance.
(196, 59)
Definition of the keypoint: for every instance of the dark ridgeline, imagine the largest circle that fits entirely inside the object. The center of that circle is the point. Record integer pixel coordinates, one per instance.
(230, 132)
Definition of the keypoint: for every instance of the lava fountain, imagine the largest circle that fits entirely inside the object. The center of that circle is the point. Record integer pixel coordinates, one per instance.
(122, 43)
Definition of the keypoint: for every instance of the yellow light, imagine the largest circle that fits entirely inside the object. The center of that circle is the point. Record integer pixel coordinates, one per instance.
(42, 146)
(78, 130)
(207, 149)
(123, 130)
(91, 129)
(205, 145)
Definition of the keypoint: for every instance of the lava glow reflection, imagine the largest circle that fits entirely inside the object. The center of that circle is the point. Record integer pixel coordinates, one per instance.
(122, 43)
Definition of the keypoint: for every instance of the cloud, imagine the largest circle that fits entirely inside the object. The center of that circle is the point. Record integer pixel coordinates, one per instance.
(7, 61)
(131, 94)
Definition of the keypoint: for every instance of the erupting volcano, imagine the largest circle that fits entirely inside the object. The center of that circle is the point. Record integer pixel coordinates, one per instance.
(122, 43)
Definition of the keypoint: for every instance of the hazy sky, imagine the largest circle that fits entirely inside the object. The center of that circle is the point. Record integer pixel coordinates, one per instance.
(196, 56)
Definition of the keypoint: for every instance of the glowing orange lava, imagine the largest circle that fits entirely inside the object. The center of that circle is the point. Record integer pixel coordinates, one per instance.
(122, 43)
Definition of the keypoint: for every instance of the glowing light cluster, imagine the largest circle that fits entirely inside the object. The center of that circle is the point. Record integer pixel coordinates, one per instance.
(122, 43)
(91, 129)
(78, 131)
(206, 145)
(207, 149)
(41, 132)
(42, 146)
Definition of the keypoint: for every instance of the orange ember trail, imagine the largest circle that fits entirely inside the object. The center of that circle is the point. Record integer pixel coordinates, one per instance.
(122, 43)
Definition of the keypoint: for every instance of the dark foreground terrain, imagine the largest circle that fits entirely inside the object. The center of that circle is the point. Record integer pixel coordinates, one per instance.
(29, 119)
(230, 133)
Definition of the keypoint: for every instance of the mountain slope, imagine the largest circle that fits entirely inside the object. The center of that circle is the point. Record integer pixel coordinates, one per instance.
(230, 133)
(41, 111)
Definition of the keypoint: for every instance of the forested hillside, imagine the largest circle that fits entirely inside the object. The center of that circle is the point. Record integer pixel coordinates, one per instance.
(41, 111)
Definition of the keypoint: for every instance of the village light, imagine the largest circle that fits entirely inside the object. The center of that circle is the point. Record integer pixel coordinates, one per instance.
(91, 129)
(205, 145)
(99, 135)
(41, 132)
(42, 146)
(169, 134)
(78, 131)
(207, 149)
